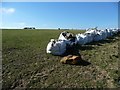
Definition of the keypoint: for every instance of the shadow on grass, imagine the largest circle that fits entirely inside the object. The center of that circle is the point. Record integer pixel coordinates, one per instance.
(83, 63)
(75, 51)
(85, 47)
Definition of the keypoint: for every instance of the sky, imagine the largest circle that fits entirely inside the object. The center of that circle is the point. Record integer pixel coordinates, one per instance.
(60, 0)
(52, 15)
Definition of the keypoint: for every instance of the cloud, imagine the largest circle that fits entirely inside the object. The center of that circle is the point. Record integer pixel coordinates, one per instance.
(7, 10)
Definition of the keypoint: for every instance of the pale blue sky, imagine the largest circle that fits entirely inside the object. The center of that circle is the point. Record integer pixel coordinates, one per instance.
(60, 0)
(74, 15)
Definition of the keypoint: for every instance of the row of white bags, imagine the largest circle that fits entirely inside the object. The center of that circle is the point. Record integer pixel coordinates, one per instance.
(59, 46)
(95, 35)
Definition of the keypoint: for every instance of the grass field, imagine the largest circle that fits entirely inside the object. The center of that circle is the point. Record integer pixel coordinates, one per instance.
(25, 62)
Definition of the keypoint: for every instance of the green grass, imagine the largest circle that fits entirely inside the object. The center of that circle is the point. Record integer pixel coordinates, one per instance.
(25, 62)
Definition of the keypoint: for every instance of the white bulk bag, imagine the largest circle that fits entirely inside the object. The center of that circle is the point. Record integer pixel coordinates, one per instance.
(89, 37)
(115, 31)
(81, 39)
(104, 34)
(49, 46)
(70, 42)
(56, 47)
(107, 33)
(110, 33)
(61, 36)
(98, 36)
(92, 32)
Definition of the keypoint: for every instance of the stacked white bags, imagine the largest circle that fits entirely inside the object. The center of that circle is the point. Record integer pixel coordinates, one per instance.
(58, 47)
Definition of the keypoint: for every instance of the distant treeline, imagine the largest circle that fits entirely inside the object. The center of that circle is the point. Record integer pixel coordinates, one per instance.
(29, 28)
